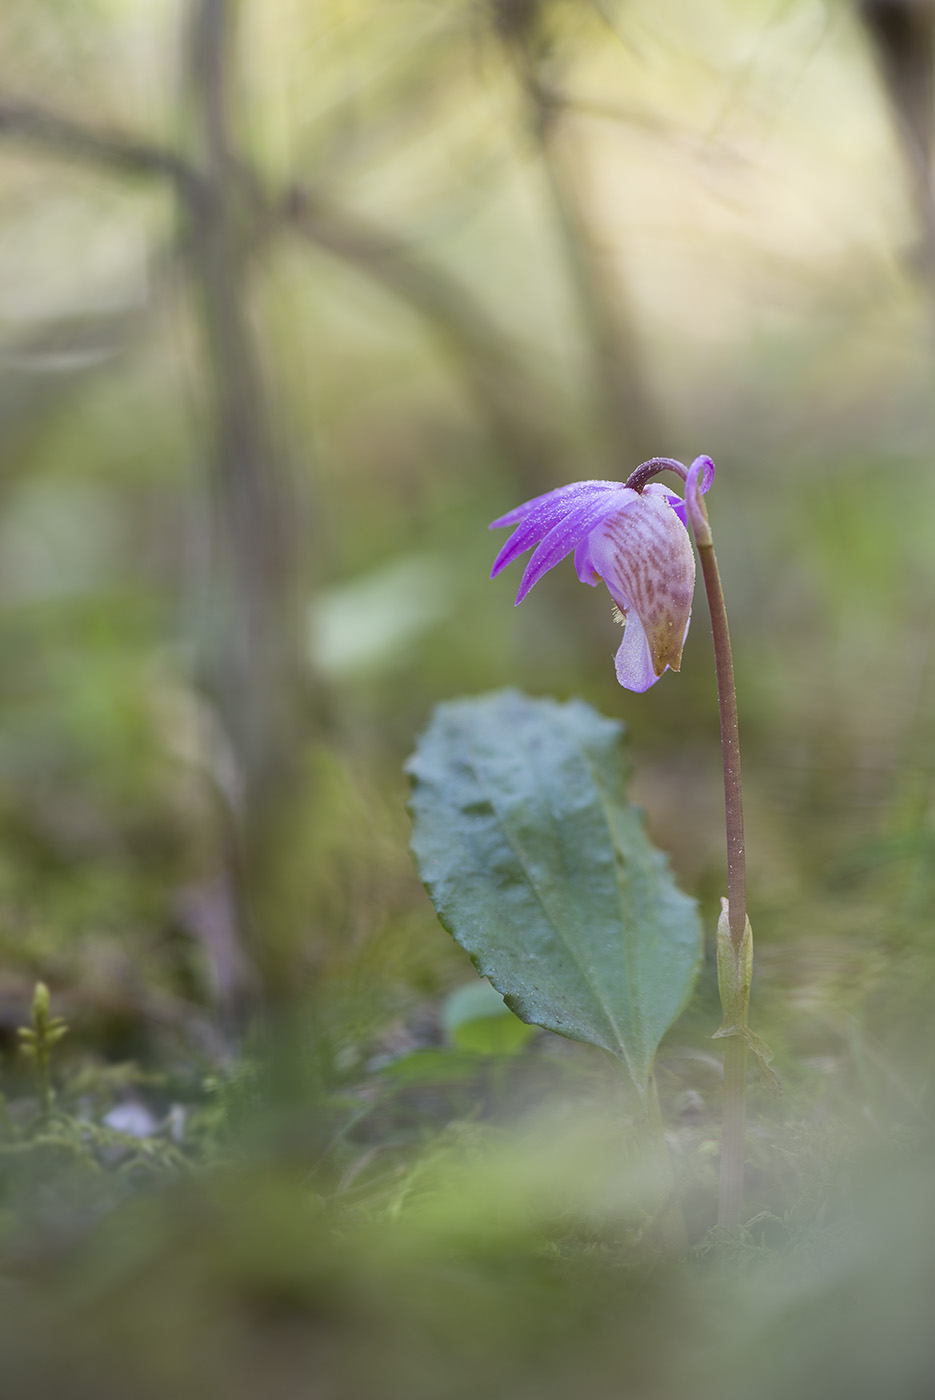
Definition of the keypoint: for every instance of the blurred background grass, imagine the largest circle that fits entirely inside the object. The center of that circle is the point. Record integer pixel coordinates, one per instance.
(293, 300)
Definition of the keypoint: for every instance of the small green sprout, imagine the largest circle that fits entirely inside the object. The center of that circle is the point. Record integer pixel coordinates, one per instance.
(37, 1040)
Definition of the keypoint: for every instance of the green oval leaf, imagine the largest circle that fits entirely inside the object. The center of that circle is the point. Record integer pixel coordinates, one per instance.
(543, 872)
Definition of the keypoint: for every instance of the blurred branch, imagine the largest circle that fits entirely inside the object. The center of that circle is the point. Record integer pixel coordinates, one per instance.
(40, 367)
(561, 101)
(35, 125)
(640, 119)
(500, 385)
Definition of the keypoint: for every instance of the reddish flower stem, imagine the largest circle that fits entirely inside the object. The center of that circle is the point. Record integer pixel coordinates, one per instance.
(645, 472)
(730, 1205)
(730, 740)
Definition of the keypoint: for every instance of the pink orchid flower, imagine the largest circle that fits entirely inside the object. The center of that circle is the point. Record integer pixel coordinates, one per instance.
(635, 538)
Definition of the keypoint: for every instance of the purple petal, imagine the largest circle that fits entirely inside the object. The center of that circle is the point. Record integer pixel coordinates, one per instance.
(519, 513)
(703, 465)
(571, 529)
(693, 503)
(543, 514)
(584, 564)
(530, 531)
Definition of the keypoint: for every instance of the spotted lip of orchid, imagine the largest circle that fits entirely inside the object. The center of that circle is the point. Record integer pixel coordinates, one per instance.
(637, 541)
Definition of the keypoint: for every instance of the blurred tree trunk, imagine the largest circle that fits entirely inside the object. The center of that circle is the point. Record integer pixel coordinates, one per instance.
(902, 36)
(254, 664)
